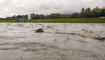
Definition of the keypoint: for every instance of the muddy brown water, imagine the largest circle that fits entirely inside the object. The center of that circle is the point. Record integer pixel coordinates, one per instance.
(63, 41)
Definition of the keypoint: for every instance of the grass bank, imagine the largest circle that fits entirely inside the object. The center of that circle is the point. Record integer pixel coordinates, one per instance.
(67, 20)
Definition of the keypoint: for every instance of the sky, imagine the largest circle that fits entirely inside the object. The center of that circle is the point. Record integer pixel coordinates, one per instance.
(11, 7)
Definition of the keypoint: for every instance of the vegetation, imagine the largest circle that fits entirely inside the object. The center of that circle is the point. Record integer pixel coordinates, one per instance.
(18, 16)
(69, 20)
(87, 15)
(63, 20)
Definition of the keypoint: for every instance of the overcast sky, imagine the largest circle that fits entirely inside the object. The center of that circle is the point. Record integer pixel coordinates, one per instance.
(11, 7)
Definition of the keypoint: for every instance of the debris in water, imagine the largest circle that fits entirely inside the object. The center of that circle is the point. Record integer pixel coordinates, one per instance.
(85, 35)
(100, 38)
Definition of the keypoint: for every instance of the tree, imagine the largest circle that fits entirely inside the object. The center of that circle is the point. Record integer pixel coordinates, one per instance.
(88, 12)
(42, 17)
(14, 16)
(54, 16)
(32, 15)
(36, 16)
(26, 16)
(96, 12)
(83, 12)
(103, 12)
(76, 15)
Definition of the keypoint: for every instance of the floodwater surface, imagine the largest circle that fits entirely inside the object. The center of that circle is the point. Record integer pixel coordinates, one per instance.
(58, 41)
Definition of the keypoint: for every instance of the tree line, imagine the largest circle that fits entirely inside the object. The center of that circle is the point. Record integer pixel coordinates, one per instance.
(85, 13)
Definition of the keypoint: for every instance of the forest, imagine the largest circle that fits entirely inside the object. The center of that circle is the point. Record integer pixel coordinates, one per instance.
(85, 13)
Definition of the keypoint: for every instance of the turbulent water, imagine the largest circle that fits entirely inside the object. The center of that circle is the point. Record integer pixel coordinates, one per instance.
(64, 41)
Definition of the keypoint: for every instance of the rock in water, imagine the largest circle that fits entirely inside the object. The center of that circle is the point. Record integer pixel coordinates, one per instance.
(39, 30)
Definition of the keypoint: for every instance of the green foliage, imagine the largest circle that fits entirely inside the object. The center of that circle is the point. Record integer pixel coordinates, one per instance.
(20, 16)
(36, 16)
(85, 13)
(103, 12)
(63, 20)
(88, 12)
(76, 15)
(54, 16)
(96, 12)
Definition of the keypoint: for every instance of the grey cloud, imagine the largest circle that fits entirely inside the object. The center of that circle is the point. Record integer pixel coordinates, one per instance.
(10, 7)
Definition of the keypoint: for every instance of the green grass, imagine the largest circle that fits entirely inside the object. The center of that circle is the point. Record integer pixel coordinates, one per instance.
(69, 20)
(9, 21)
